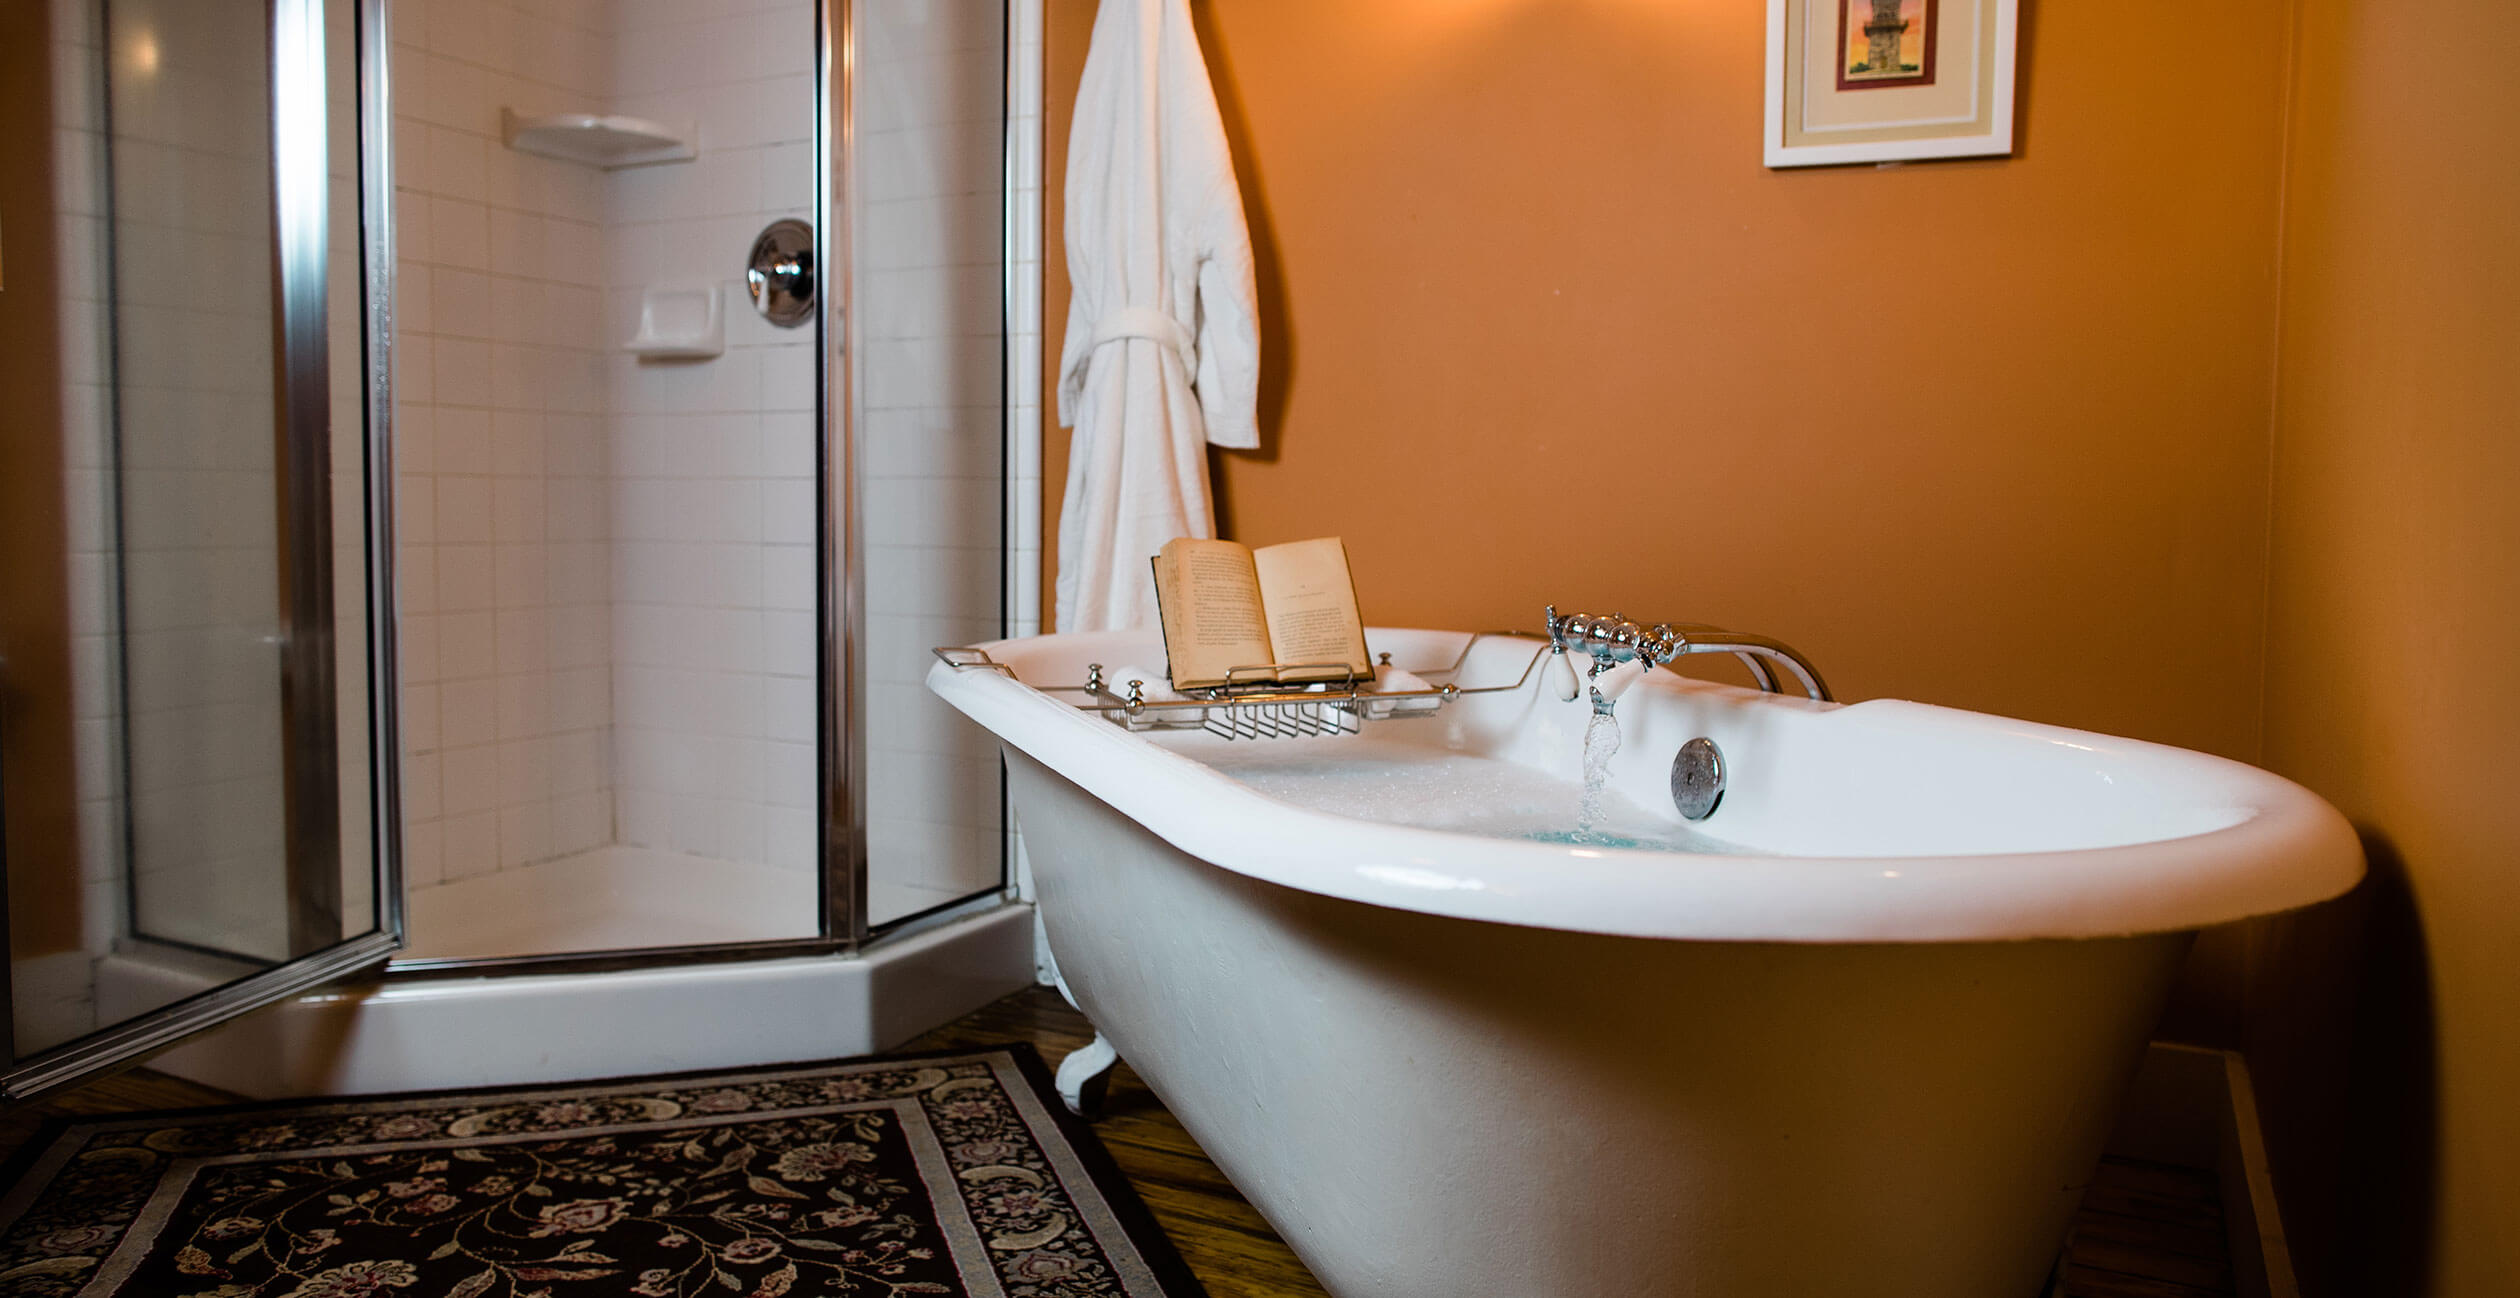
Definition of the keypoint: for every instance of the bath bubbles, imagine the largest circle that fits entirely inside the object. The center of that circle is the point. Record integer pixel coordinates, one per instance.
(1395, 783)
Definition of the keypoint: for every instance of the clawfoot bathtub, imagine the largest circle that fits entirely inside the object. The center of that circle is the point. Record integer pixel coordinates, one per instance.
(1865, 1036)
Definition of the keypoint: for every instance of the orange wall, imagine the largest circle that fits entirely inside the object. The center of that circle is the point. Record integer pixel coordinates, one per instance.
(1541, 327)
(35, 735)
(2393, 673)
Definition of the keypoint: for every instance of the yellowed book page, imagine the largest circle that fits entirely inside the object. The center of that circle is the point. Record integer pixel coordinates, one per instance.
(1310, 600)
(1210, 597)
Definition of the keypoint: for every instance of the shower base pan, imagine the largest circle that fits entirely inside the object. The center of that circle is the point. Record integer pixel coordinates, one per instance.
(621, 898)
(439, 1033)
(609, 899)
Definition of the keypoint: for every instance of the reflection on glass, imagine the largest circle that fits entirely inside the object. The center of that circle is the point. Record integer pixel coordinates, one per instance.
(195, 414)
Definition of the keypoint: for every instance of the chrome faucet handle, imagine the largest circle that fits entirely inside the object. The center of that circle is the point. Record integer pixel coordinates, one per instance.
(1614, 638)
(1571, 631)
(1662, 643)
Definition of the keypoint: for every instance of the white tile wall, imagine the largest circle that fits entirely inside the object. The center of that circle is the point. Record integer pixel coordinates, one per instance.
(505, 455)
(596, 547)
(713, 494)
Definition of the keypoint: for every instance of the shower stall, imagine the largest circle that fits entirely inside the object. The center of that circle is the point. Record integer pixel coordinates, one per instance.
(515, 456)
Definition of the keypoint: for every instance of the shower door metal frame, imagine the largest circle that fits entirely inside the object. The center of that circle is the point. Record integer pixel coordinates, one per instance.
(840, 567)
(302, 388)
(301, 179)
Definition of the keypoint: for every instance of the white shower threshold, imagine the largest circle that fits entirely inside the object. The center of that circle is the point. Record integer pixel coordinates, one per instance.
(439, 1033)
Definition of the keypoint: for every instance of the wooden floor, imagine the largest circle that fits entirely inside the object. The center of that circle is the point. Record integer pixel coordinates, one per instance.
(2149, 1230)
(1233, 1251)
(2146, 1230)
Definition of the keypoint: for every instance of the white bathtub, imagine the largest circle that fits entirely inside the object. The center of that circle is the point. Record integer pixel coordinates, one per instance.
(1879, 1058)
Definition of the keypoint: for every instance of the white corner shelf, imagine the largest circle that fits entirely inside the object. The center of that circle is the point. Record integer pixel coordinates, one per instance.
(596, 140)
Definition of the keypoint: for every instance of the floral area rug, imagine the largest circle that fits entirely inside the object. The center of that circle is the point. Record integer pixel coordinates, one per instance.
(942, 1174)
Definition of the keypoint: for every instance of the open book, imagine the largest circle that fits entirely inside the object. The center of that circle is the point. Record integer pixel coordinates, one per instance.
(1228, 606)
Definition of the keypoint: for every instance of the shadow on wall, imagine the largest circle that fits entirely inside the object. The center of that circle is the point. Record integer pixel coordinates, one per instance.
(2341, 995)
(1277, 341)
(2025, 68)
(2393, 1129)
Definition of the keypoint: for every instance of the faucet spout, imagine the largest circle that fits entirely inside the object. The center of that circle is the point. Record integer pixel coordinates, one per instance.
(1608, 685)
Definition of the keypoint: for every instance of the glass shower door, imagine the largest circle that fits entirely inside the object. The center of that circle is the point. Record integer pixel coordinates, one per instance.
(215, 670)
(929, 193)
(208, 642)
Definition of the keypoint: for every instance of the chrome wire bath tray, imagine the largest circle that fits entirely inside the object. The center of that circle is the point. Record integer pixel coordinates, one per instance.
(1262, 707)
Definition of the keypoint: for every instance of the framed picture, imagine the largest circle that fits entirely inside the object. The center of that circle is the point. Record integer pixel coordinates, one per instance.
(1888, 80)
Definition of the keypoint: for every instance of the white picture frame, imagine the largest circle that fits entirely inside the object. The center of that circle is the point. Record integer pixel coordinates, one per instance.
(1801, 125)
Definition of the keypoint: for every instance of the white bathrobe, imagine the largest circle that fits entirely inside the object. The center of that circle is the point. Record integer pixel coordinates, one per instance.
(1163, 345)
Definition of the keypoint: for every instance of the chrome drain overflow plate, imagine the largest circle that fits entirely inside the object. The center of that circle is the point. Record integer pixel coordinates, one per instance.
(1697, 778)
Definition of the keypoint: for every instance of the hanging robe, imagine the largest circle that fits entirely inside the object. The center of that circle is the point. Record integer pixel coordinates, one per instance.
(1162, 356)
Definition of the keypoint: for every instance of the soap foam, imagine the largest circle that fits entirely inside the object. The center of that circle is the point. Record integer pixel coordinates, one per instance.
(1405, 784)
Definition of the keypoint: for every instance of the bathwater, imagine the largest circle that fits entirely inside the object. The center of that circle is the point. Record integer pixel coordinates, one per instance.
(1405, 784)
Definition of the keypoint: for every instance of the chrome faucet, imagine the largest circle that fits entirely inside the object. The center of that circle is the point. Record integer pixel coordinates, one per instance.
(1612, 640)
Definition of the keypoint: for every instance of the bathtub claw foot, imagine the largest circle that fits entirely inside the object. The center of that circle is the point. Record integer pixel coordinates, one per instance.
(1085, 1075)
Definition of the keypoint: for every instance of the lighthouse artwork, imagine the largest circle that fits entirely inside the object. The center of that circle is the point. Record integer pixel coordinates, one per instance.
(1885, 43)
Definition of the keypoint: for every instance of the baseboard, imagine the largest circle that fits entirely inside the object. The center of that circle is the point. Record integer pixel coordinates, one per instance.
(2194, 1107)
(2248, 1187)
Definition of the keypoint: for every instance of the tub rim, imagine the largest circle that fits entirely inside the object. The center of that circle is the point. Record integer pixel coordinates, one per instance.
(2291, 850)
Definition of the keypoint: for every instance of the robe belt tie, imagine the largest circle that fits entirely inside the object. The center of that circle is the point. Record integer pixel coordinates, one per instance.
(1153, 325)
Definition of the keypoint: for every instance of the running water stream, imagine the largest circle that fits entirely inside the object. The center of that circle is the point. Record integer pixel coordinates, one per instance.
(1601, 742)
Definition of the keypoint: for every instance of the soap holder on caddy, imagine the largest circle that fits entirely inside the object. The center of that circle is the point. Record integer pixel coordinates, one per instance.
(1263, 707)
